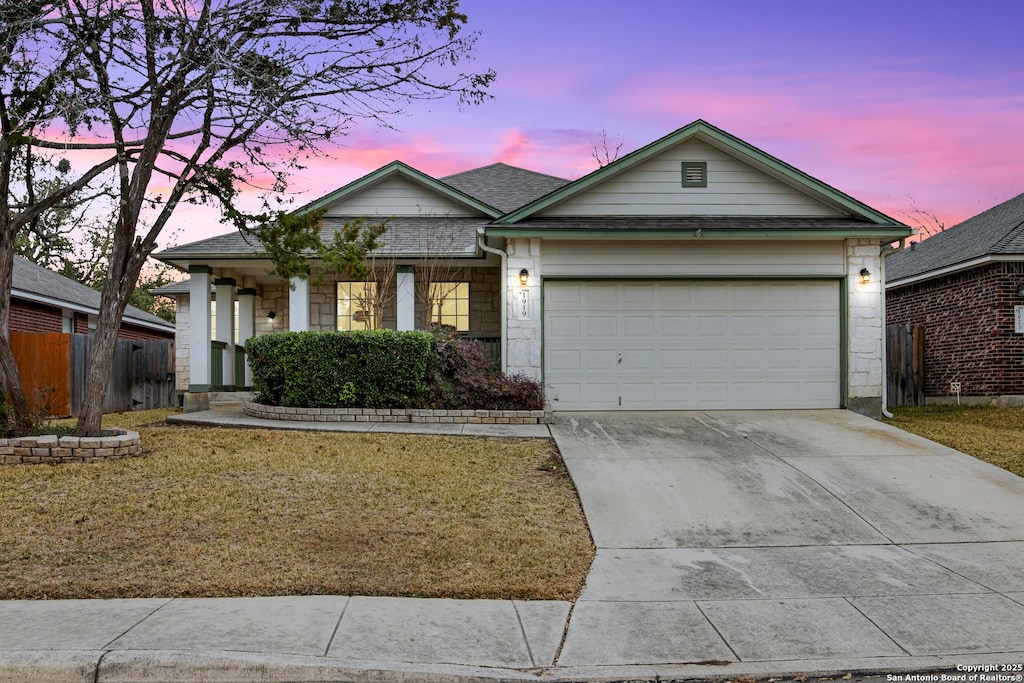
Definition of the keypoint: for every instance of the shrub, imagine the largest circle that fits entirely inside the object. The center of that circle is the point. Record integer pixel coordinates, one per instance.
(462, 377)
(365, 368)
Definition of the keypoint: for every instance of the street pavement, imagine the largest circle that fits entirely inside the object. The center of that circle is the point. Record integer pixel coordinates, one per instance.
(754, 544)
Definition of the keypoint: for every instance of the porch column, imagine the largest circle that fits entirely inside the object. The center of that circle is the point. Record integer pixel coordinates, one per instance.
(226, 327)
(199, 329)
(298, 305)
(246, 328)
(405, 299)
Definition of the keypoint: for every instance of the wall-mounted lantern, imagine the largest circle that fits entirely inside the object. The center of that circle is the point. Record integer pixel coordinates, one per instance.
(524, 277)
(865, 275)
(271, 315)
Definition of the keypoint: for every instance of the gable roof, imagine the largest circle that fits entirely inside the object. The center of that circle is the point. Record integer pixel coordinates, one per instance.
(503, 186)
(997, 232)
(33, 282)
(729, 143)
(401, 169)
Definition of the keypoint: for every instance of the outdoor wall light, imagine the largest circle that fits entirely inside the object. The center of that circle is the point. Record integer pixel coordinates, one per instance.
(271, 315)
(524, 277)
(865, 275)
(1020, 291)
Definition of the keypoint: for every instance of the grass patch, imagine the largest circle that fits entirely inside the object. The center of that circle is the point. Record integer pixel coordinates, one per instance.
(222, 512)
(994, 435)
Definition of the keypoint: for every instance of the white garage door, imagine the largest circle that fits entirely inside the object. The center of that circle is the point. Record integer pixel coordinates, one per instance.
(691, 345)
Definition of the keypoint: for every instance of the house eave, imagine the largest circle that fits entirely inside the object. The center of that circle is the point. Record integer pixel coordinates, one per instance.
(79, 308)
(954, 268)
(881, 233)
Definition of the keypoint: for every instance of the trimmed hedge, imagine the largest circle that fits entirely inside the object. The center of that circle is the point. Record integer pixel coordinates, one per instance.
(364, 368)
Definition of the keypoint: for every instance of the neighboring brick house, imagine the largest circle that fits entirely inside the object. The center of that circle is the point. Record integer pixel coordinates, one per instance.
(963, 285)
(44, 301)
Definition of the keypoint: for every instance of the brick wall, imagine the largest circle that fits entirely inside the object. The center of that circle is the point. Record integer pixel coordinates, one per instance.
(128, 331)
(969, 337)
(28, 316)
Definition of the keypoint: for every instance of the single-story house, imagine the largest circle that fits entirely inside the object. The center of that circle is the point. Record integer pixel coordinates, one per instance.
(965, 286)
(697, 272)
(45, 301)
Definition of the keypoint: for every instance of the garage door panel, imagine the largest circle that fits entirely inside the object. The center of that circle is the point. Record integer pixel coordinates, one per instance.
(692, 345)
(560, 326)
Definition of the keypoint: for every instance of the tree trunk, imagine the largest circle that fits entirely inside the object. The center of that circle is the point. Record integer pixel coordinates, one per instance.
(9, 373)
(101, 359)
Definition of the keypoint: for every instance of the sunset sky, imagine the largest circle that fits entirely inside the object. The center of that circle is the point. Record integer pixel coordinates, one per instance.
(898, 103)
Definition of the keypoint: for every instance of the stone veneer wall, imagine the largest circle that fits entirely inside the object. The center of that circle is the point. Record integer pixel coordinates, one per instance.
(865, 374)
(50, 449)
(524, 333)
(515, 417)
(969, 329)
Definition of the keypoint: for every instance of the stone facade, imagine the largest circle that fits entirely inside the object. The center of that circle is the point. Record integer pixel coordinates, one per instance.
(865, 327)
(969, 329)
(49, 449)
(523, 355)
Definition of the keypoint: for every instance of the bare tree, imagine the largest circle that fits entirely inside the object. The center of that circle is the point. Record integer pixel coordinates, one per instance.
(603, 151)
(196, 98)
(926, 221)
(378, 288)
(438, 271)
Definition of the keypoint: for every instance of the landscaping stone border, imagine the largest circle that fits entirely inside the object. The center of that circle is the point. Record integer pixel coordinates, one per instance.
(513, 417)
(50, 449)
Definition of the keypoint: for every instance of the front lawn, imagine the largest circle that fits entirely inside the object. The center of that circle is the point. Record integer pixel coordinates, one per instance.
(223, 512)
(995, 435)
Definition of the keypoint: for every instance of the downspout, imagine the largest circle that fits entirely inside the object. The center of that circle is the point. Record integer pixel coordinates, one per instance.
(480, 240)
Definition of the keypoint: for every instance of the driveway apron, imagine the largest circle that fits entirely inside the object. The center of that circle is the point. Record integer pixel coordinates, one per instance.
(790, 536)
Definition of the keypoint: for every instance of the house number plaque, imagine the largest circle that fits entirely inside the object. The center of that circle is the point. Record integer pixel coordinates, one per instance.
(1018, 319)
(523, 304)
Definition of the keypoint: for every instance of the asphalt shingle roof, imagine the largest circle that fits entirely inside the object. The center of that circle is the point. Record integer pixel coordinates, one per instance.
(31, 278)
(502, 186)
(997, 231)
(406, 237)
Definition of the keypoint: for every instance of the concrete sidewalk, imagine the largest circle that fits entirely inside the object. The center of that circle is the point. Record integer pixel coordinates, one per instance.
(338, 638)
(729, 544)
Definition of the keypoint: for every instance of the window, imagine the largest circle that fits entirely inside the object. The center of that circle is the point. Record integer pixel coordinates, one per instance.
(449, 304)
(213, 321)
(356, 310)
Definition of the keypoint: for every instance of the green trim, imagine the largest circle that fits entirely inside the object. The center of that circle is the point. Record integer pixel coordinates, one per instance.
(703, 169)
(402, 169)
(882, 233)
(718, 138)
(406, 269)
(194, 269)
(687, 278)
(844, 342)
(200, 388)
(247, 291)
(225, 281)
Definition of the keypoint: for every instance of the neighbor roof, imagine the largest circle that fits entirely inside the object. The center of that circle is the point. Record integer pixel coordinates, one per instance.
(502, 186)
(998, 231)
(33, 282)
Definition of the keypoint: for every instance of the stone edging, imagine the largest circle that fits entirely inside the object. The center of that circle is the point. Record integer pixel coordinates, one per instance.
(50, 449)
(514, 417)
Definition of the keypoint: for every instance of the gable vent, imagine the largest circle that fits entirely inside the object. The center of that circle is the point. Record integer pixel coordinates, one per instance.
(695, 174)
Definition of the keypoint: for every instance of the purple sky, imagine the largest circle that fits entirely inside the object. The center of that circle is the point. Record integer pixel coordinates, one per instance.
(896, 103)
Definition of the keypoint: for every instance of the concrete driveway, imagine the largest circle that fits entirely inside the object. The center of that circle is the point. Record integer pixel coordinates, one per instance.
(801, 539)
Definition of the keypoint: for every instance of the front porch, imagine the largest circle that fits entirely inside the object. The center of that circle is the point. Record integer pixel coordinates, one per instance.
(212, 345)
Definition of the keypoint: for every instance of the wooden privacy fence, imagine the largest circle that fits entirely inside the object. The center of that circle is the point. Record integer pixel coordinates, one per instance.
(904, 361)
(54, 365)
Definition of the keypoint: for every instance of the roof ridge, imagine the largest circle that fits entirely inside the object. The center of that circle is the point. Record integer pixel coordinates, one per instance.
(501, 163)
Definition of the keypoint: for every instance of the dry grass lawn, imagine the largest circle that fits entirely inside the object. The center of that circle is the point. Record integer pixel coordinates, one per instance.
(220, 512)
(995, 435)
